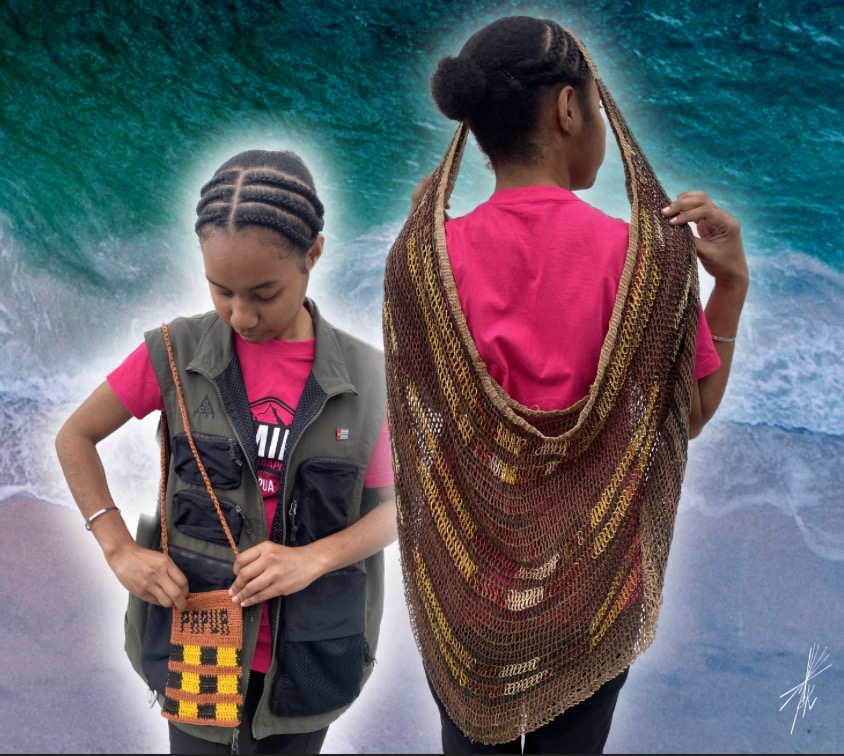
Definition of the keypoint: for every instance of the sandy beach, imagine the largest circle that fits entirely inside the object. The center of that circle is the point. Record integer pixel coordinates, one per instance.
(745, 598)
(66, 686)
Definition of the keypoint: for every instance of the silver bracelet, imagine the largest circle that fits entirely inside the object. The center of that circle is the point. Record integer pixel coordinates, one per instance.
(722, 339)
(89, 520)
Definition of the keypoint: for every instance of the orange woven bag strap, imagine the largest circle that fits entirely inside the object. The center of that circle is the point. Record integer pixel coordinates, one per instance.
(177, 382)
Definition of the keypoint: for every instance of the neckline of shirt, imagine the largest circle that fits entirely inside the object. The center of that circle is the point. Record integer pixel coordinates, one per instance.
(535, 193)
(303, 348)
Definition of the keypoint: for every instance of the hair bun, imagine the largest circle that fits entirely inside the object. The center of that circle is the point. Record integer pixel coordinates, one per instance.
(458, 85)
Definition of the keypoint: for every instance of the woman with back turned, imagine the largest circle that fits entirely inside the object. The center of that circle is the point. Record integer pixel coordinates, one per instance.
(546, 366)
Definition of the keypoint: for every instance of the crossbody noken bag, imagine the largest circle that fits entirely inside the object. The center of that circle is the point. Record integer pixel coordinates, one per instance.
(205, 668)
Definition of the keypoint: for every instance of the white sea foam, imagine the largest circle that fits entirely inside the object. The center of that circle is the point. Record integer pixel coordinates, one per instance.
(57, 342)
(735, 466)
(790, 354)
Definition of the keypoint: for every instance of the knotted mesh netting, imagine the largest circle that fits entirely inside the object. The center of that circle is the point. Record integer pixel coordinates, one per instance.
(534, 544)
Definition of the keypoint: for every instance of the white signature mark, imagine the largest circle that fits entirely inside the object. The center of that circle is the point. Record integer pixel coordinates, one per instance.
(805, 690)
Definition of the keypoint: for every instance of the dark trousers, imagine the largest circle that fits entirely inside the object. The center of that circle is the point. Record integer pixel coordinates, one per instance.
(306, 742)
(583, 728)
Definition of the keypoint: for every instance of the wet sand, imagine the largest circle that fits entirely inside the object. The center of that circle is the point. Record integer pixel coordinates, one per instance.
(745, 598)
(66, 686)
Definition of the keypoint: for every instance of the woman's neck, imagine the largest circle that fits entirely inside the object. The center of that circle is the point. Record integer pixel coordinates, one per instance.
(518, 175)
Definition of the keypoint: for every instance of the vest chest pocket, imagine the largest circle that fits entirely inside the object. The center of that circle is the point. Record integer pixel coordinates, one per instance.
(221, 456)
(322, 497)
(195, 515)
(322, 648)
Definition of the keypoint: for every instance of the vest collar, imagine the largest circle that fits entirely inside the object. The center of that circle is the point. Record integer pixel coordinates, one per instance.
(329, 367)
(216, 350)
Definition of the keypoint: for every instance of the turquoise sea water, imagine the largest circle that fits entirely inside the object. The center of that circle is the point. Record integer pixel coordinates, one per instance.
(114, 114)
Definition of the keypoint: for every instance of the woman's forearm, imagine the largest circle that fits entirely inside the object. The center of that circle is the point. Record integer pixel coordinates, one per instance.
(369, 535)
(76, 447)
(149, 574)
(85, 476)
(723, 311)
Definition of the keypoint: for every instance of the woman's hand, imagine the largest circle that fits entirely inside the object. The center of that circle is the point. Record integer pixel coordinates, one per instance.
(721, 253)
(719, 246)
(150, 575)
(269, 570)
(417, 195)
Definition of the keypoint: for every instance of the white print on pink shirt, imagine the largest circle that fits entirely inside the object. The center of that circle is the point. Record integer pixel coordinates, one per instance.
(272, 430)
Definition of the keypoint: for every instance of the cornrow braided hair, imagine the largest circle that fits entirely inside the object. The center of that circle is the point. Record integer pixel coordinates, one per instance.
(563, 60)
(260, 188)
(498, 81)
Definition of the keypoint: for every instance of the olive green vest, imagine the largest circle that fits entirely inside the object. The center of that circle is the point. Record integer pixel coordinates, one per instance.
(327, 632)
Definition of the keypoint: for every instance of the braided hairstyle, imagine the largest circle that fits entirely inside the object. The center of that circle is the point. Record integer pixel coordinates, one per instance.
(500, 79)
(261, 188)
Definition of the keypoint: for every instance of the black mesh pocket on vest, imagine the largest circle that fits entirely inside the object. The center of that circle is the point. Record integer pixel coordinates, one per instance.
(297, 693)
(323, 648)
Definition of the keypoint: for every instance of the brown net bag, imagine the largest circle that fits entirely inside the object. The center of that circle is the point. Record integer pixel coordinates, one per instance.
(534, 544)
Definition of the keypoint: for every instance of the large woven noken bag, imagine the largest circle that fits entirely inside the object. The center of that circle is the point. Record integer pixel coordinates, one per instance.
(534, 544)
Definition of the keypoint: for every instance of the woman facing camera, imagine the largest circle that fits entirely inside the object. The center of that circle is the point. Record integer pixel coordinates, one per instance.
(256, 592)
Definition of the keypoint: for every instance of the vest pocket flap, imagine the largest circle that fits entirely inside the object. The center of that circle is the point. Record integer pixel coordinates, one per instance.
(221, 456)
(334, 606)
(195, 515)
(204, 573)
(322, 497)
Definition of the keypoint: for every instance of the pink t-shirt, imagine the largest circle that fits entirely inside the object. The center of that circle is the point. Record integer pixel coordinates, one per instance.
(274, 374)
(537, 270)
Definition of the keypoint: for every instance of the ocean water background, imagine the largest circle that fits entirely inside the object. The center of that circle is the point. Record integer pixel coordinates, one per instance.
(113, 115)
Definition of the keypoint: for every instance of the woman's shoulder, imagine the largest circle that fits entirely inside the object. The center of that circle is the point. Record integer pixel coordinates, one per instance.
(349, 356)
(354, 351)
(190, 324)
(188, 332)
(607, 223)
(354, 346)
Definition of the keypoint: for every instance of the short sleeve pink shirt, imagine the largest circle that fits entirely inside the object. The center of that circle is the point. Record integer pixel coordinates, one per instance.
(537, 271)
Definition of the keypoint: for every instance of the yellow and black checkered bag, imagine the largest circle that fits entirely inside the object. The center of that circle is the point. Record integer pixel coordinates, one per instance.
(205, 668)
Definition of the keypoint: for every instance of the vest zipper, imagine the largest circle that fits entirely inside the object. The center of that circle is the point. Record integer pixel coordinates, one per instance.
(284, 534)
(247, 522)
(204, 374)
(232, 452)
(294, 505)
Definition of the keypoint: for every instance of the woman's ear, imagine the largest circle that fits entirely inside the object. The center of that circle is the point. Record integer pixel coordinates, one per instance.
(314, 253)
(567, 109)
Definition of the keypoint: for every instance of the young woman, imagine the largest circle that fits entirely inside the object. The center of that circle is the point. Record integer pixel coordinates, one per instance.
(287, 414)
(537, 271)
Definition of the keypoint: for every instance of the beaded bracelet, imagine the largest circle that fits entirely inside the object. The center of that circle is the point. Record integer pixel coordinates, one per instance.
(89, 520)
